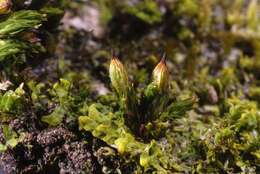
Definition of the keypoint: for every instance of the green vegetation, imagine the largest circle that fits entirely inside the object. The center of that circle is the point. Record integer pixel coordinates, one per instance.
(68, 106)
(20, 30)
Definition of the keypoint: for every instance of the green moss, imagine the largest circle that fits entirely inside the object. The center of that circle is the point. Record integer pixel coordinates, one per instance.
(20, 32)
(11, 138)
(207, 121)
(10, 50)
(234, 137)
(12, 101)
(146, 10)
(111, 129)
(21, 21)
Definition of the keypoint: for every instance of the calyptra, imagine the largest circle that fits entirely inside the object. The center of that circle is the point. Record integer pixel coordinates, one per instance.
(118, 77)
(160, 75)
(5, 6)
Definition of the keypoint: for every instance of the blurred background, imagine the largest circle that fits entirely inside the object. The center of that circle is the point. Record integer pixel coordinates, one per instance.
(206, 35)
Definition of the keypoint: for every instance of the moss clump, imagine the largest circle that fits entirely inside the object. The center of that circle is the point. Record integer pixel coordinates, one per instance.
(60, 113)
(23, 31)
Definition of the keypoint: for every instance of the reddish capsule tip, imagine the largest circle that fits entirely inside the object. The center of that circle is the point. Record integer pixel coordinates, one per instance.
(163, 60)
(161, 75)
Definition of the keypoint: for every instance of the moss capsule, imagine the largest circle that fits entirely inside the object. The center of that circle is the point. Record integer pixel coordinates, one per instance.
(5, 6)
(118, 77)
(161, 75)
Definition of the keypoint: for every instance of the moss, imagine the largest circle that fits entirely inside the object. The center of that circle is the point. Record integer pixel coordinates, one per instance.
(147, 11)
(66, 117)
(20, 32)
